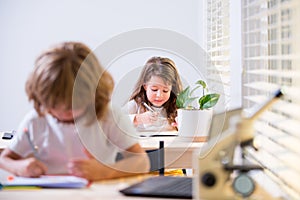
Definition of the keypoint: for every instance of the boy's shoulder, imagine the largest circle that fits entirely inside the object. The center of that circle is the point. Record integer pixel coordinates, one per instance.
(33, 116)
(33, 119)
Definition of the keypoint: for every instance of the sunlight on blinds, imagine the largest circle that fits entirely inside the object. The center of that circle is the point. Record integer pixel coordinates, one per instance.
(271, 60)
(218, 46)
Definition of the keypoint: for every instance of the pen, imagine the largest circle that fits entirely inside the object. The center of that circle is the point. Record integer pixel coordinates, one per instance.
(148, 107)
(33, 147)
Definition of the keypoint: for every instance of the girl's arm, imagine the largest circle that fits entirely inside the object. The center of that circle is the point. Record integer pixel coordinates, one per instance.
(131, 108)
(145, 118)
(27, 167)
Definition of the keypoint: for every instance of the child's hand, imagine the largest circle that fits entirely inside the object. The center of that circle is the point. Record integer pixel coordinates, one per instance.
(175, 124)
(86, 168)
(90, 169)
(31, 167)
(147, 117)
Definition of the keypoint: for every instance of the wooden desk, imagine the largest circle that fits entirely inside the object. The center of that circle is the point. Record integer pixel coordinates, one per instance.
(178, 151)
(104, 190)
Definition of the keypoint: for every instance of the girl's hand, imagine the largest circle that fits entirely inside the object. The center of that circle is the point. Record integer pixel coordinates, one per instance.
(31, 167)
(146, 117)
(175, 124)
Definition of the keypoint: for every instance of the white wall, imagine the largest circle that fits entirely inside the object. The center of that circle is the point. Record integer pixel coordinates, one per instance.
(28, 27)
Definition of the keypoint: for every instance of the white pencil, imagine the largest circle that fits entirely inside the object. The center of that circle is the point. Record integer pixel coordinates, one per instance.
(33, 147)
(148, 107)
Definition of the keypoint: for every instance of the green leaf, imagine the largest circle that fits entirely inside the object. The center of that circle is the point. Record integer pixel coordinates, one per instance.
(202, 83)
(182, 98)
(185, 99)
(189, 101)
(193, 90)
(208, 101)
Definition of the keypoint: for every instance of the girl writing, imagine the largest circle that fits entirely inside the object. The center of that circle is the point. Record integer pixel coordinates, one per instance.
(152, 105)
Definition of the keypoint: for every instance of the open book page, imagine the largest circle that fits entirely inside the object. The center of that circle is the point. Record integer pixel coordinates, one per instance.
(47, 181)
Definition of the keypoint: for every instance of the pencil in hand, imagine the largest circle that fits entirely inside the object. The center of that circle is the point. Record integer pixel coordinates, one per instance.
(148, 107)
(33, 147)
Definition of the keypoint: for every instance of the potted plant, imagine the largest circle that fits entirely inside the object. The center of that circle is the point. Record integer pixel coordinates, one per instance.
(194, 112)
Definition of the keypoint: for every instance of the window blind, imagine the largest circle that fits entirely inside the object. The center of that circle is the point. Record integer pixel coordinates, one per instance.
(271, 52)
(218, 48)
(223, 28)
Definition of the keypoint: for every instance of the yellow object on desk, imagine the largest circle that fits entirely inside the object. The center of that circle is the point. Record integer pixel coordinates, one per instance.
(21, 188)
(170, 172)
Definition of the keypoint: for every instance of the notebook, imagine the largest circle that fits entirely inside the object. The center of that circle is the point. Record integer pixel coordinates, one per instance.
(178, 187)
(47, 181)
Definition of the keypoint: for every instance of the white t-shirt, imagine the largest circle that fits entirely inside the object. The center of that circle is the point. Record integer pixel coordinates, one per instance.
(132, 108)
(60, 142)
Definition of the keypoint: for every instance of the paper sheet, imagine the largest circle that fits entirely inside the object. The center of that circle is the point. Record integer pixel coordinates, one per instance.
(48, 181)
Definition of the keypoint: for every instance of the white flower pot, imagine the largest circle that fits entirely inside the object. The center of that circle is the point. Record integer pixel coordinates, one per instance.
(194, 123)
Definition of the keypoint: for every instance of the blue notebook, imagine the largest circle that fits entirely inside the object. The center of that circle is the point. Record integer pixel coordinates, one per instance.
(47, 181)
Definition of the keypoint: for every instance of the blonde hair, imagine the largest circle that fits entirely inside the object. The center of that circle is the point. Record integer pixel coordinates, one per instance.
(58, 69)
(166, 69)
